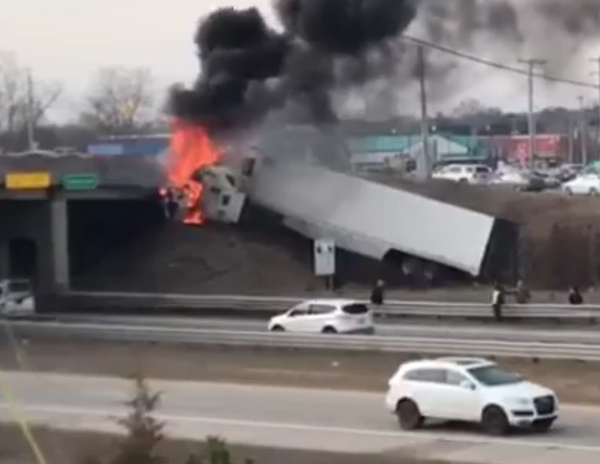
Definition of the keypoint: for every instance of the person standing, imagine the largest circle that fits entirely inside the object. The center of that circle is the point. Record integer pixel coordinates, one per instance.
(378, 295)
(497, 301)
(575, 297)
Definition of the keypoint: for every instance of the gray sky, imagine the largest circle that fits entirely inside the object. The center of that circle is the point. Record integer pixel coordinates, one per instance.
(68, 40)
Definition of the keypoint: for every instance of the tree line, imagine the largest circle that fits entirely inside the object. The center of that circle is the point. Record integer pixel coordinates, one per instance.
(119, 101)
(122, 101)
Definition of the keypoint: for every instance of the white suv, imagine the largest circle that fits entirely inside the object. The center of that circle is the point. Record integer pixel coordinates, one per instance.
(326, 316)
(469, 390)
(464, 173)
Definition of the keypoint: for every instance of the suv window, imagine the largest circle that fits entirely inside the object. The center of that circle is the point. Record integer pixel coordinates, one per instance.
(320, 309)
(454, 169)
(19, 286)
(426, 375)
(355, 309)
(481, 170)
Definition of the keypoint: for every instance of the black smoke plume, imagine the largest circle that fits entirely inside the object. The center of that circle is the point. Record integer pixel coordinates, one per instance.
(249, 69)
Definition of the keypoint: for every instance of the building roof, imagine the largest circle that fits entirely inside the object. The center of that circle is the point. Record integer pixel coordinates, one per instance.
(400, 143)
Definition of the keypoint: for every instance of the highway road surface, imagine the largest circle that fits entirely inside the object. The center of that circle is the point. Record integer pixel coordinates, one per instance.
(391, 328)
(295, 418)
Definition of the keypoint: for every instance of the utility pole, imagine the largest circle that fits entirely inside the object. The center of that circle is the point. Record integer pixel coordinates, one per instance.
(531, 63)
(570, 138)
(582, 132)
(425, 171)
(597, 74)
(29, 115)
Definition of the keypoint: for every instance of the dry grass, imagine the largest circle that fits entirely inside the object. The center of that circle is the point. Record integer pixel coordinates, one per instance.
(575, 382)
(74, 447)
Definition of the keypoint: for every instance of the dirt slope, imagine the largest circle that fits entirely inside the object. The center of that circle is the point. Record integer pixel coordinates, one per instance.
(214, 258)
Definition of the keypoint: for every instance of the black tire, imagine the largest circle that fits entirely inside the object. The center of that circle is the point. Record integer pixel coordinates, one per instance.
(568, 191)
(409, 416)
(463, 181)
(593, 192)
(329, 330)
(494, 421)
(542, 426)
(277, 328)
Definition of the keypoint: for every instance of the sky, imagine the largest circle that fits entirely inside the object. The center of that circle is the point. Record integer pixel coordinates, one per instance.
(67, 41)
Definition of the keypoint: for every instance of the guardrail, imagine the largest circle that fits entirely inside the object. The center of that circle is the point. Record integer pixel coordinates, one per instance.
(250, 305)
(413, 345)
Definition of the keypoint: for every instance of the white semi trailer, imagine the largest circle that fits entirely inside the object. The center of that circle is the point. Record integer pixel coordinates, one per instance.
(375, 220)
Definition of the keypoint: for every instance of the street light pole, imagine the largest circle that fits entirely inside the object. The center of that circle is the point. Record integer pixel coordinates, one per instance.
(597, 73)
(30, 110)
(582, 132)
(426, 160)
(531, 63)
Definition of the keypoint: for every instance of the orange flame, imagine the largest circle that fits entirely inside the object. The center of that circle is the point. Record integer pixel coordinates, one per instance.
(191, 149)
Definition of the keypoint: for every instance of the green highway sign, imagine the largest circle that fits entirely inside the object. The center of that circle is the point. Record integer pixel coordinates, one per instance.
(81, 181)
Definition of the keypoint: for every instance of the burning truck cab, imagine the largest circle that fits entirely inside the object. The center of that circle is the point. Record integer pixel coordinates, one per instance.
(222, 200)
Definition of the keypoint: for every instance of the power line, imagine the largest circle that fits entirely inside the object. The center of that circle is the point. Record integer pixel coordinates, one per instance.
(502, 66)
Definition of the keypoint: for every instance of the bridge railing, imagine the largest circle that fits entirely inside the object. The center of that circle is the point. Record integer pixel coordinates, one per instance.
(402, 344)
(249, 305)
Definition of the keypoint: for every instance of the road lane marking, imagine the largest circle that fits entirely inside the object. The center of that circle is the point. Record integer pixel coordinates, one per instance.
(433, 436)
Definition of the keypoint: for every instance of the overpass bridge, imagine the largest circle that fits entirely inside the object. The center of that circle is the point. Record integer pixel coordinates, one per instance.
(39, 193)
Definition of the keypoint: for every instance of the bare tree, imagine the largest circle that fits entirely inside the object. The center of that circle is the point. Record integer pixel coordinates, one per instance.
(121, 101)
(22, 98)
(12, 93)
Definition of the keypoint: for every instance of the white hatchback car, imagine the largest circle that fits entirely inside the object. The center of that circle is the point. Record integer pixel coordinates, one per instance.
(469, 390)
(584, 184)
(326, 316)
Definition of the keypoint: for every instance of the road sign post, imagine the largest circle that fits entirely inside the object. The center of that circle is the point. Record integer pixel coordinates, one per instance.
(80, 182)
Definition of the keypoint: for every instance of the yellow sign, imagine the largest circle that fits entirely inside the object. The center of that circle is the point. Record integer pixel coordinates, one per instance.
(28, 180)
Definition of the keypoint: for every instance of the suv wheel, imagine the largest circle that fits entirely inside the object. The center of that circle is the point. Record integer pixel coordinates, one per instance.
(494, 421)
(329, 330)
(593, 192)
(409, 416)
(277, 328)
(568, 191)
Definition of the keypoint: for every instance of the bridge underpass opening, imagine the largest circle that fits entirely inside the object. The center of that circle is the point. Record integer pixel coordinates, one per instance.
(23, 259)
(101, 230)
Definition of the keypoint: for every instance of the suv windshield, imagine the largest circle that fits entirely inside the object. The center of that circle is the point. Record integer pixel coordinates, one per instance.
(355, 309)
(494, 376)
(19, 286)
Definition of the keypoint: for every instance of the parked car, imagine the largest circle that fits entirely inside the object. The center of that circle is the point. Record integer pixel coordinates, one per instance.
(469, 390)
(520, 180)
(583, 184)
(16, 298)
(464, 173)
(325, 316)
(515, 179)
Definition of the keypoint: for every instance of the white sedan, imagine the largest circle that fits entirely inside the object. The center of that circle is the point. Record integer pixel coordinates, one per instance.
(584, 184)
(325, 316)
(469, 390)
